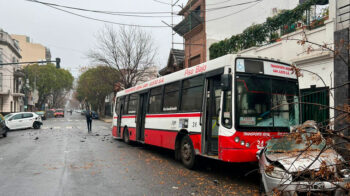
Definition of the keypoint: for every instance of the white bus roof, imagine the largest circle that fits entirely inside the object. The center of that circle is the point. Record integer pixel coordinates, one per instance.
(191, 71)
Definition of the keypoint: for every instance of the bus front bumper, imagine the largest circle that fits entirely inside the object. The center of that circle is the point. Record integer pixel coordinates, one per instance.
(238, 155)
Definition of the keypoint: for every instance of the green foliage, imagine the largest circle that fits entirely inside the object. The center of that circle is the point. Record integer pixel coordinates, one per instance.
(48, 80)
(259, 34)
(95, 84)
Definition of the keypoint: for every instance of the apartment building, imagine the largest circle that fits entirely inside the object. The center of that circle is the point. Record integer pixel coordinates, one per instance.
(31, 52)
(11, 98)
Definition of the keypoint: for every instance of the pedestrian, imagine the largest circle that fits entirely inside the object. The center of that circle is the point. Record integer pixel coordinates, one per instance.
(88, 119)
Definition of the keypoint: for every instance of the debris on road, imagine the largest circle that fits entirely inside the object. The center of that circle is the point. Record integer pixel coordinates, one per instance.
(36, 138)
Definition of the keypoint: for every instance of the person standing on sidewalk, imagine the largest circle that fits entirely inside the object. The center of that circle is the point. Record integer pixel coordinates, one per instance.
(88, 115)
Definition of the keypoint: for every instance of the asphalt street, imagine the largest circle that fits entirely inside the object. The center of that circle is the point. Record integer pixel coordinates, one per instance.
(63, 159)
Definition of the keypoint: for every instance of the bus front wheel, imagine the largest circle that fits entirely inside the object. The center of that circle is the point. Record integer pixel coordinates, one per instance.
(188, 155)
(126, 136)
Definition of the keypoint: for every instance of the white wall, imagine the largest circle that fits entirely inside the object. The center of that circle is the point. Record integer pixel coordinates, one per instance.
(254, 13)
(317, 61)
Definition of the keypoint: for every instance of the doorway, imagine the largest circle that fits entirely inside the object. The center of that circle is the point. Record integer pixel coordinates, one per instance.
(213, 98)
(141, 117)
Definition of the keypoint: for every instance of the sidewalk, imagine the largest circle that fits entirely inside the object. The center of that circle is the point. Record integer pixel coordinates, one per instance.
(107, 120)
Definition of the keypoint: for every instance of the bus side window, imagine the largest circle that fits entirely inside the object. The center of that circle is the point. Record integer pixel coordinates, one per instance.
(155, 100)
(227, 110)
(117, 108)
(132, 104)
(171, 97)
(125, 109)
(192, 93)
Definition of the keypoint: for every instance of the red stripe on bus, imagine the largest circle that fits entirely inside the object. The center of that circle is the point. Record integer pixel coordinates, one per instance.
(172, 115)
(128, 116)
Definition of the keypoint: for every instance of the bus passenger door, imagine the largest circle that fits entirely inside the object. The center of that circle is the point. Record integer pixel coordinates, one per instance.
(120, 109)
(141, 117)
(213, 98)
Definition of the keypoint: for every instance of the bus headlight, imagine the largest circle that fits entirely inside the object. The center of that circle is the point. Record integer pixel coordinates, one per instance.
(237, 139)
(242, 142)
(247, 145)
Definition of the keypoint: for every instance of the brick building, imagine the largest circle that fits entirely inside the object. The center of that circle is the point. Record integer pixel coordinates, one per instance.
(192, 29)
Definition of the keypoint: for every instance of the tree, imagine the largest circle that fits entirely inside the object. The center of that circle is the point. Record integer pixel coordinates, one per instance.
(95, 84)
(49, 82)
(130, 50)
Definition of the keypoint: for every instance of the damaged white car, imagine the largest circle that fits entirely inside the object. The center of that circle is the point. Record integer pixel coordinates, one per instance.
(302, 164)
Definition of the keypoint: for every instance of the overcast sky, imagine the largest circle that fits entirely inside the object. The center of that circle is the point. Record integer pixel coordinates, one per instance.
(70, 37)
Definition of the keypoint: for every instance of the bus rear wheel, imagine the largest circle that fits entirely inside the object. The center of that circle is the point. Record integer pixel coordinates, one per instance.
(188, 156)
(126, 136)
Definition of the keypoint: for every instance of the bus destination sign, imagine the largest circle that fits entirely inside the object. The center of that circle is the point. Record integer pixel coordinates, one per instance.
(277, 69)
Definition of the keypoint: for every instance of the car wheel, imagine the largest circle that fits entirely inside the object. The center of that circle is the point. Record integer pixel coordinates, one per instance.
(126, 136)
(188, 155)
(36, 125)
(4, 134)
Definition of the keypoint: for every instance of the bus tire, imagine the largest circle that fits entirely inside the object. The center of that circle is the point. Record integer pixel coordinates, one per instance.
(126, 136)
(188, 155)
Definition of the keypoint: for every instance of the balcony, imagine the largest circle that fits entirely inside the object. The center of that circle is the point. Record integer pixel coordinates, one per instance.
(18, 74)
(18, 94)
(188, 24)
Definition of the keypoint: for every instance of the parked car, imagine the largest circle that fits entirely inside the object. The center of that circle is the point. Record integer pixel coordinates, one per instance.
(94, 115)
(83, 112)
(3, 129)
(23, 120)
(42, 114)
(294, 166)
(59, 113)
(50, 113)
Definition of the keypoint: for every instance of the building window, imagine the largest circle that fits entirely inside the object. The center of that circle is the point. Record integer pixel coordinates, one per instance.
(1, 56)
(195, 60)
(1, 82)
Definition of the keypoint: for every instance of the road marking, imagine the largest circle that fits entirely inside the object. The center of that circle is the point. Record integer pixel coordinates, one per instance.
(69, 127)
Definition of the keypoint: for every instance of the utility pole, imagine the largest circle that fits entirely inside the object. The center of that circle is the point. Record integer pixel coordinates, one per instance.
(172, 24)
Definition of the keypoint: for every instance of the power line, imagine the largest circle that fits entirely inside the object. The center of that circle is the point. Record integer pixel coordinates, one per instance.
(234, 5)
(97, 11)
(234, 13)
(96, 19)
(139, 14)
(162, 2)
(218, 2)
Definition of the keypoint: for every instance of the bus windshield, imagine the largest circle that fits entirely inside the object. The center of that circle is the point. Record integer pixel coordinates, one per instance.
(266, 102)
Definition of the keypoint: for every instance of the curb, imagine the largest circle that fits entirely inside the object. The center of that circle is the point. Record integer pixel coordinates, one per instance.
(107, 120)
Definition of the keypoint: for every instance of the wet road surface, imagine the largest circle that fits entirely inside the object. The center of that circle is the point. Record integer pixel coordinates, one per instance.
(63, 159)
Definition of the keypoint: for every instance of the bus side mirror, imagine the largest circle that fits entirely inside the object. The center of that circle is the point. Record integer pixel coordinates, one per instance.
(226, 82)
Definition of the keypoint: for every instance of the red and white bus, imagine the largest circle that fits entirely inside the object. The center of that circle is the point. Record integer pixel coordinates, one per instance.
(225, 109)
